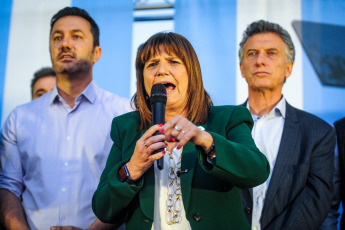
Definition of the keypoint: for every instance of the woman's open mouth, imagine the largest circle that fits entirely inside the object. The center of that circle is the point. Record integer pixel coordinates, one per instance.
(169, 87)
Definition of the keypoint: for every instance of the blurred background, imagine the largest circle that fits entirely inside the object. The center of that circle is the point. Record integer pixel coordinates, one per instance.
(214, 27)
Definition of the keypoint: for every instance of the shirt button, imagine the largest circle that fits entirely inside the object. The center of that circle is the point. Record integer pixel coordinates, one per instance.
(68, 138)
(63, 190)
(70, 114)
(248, 210)
(66, 163)
(254, 228)
(62, 218)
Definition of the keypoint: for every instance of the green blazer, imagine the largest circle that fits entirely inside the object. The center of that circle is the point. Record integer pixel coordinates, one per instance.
(210, 191)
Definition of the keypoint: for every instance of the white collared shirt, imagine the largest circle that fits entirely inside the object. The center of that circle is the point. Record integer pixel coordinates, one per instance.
(52, 156)
(267, 133)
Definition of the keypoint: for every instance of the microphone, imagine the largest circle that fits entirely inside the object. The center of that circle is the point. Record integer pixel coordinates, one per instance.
(158, 101)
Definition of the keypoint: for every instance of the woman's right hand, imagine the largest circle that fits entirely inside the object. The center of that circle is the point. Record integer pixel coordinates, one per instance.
(142, 158)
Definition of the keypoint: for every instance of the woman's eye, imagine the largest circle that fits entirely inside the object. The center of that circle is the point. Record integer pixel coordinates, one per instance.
(151, 64)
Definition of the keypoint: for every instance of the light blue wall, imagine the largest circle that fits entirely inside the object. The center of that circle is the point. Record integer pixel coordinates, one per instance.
(211, 28)
(326, 102)
(115, 19)
(5, 18)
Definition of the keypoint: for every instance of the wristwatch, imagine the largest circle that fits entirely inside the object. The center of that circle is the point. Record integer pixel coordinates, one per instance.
(211, 152)
(126, 177)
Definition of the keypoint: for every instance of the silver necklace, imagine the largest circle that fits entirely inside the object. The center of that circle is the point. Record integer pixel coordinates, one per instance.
(174, 199)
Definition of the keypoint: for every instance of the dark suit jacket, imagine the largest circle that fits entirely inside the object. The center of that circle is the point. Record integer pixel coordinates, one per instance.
(300, 191)
(210, 192)
(340, 129)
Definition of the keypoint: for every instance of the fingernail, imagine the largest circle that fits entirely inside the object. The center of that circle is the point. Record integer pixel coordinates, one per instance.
(163, 151)
(172, 139)
(178, 147)
(160, 125)
(166, 144)
(161, 131)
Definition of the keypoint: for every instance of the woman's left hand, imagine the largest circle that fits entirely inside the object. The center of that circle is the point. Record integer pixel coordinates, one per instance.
(181, 130)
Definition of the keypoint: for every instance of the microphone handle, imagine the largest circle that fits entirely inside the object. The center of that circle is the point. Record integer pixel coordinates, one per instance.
(158, 111)
(160, 161)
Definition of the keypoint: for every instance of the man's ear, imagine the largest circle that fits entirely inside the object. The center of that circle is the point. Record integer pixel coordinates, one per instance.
(241, 68)
(288, 70)
(97, 53)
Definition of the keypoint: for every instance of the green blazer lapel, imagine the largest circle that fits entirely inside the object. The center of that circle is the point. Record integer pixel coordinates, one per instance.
(189, 159)
(146, 194)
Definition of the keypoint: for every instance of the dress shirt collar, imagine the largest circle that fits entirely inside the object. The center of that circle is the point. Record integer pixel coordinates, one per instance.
(278, 110)
(90, 93)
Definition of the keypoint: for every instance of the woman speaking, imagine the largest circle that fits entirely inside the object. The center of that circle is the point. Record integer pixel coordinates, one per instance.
(209, 154)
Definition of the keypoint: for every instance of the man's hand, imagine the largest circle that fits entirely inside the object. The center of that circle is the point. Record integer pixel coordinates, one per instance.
(12, 214)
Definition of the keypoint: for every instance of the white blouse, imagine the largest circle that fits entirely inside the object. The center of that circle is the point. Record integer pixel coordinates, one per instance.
(161, 195)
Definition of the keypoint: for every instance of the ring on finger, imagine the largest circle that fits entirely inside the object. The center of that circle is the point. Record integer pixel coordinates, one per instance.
(146, 145)
(177, 128)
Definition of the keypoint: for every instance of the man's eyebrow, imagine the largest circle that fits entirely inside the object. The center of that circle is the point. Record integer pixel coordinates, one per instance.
(77, 30)
(73, 31)
(249, 50)
(56, 32)
(273, 48)
(269, 49)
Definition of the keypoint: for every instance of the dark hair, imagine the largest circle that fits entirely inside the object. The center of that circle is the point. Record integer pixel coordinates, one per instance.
(262, 26)
(75, 11)
(44, 72)
(198, 101)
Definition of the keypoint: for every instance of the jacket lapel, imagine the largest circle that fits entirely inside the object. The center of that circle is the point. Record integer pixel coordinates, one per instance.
(146, 198)
(288, 140)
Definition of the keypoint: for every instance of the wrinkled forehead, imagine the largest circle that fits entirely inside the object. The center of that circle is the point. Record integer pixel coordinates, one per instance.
(159, 48)
(267, 40)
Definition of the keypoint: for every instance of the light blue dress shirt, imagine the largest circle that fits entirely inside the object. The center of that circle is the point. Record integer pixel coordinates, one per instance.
(52, 156)
(267, 133)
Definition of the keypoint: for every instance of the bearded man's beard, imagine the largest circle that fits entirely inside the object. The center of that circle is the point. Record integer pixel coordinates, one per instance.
(79, 66)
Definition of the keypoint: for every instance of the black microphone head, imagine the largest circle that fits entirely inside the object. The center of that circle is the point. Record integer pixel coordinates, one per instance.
(158, 94)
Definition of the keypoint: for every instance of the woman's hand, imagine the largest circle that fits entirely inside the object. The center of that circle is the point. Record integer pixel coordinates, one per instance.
(143, 158)
(180, 129)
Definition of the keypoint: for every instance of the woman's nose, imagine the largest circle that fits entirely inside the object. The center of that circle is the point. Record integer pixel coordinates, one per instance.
(162, 69)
